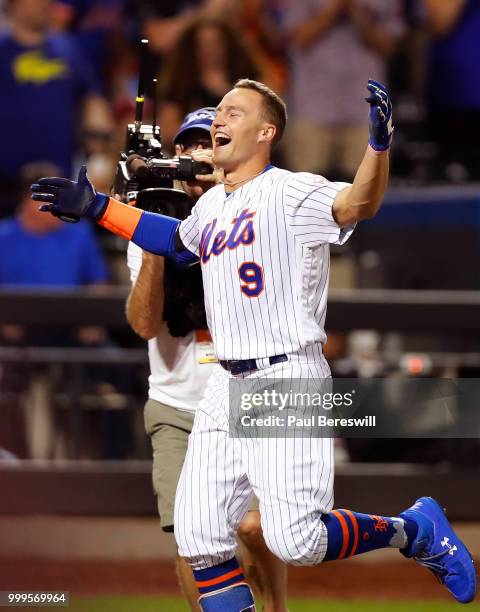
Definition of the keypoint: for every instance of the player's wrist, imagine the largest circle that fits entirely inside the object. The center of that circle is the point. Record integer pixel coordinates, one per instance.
(380, 146)
(378, 151)
(99, 205)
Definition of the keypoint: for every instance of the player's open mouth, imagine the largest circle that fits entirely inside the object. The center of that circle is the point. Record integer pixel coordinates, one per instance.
(222, 139)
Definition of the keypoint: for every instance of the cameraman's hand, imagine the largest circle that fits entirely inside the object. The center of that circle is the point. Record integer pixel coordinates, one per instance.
(206, 156)
(69, 200)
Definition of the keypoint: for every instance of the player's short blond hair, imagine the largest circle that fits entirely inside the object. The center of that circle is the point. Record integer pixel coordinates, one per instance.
(275, 109)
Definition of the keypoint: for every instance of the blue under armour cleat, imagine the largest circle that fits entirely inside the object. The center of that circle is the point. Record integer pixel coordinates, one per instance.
(438, 548)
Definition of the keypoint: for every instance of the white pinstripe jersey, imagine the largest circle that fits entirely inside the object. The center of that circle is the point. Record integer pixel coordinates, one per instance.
(264, 252)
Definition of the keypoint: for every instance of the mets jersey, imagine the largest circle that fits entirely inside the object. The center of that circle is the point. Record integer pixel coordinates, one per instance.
(264, 252)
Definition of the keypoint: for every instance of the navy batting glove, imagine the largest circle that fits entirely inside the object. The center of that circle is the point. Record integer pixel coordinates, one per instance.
(70, 200)
(380, 116)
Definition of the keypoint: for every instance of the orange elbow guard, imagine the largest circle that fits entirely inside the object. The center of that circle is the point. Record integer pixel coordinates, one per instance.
(120, 219)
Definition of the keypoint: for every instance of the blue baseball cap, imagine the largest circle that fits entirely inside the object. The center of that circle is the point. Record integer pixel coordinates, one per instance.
(199, 119)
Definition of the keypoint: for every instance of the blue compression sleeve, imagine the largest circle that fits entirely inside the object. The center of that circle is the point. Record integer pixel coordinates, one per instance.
(156, 233)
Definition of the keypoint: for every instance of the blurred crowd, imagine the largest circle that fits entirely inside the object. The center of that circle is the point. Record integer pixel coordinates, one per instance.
(69, 73)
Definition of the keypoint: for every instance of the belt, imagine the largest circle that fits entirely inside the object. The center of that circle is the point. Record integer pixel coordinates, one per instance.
(239, 366)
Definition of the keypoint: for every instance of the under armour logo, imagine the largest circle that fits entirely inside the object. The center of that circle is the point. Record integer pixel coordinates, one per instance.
(451, 549)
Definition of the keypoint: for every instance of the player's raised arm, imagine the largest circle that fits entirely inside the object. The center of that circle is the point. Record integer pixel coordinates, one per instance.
(71, 200)
(363, 198)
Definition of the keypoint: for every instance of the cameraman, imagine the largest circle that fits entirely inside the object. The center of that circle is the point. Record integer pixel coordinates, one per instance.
(181, 357)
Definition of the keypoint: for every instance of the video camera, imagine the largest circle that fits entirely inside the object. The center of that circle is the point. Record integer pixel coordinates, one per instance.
(146, 175)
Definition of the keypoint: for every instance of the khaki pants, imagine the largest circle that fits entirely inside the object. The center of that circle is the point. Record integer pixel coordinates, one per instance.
(168, 429)
(317, 148)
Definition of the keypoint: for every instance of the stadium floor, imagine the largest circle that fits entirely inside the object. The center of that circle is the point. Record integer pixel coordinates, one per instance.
(141, 586)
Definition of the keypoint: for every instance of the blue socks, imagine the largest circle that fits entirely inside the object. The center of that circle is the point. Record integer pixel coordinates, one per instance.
(352, 533)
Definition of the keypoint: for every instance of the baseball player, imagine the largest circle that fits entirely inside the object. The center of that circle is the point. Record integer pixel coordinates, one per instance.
(263, 242)
(181, 361)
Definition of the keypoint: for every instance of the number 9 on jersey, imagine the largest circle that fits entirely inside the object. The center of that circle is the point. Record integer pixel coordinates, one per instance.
(251, 275)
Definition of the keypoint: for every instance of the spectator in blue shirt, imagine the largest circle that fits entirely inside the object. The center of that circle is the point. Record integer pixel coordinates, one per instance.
(39, 252)
(49, 91)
